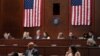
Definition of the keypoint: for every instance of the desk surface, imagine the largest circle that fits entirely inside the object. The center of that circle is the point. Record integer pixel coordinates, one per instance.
(48, 47)
(56, 42)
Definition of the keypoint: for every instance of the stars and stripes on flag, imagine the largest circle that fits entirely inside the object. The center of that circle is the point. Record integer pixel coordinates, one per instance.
(81, 12)
(32, 13)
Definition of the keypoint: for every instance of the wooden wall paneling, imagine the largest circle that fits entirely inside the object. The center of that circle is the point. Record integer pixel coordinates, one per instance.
(1, 13)
(97, 17)
(52, 29)
(12, 17)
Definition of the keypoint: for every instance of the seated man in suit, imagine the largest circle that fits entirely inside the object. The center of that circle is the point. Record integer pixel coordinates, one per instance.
(31, 51)
(38, 35)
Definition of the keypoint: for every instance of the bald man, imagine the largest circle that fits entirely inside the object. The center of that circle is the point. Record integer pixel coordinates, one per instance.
(31, 51)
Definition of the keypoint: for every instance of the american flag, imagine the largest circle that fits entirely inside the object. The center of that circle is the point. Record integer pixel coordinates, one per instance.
(81, 12)
(32, 11)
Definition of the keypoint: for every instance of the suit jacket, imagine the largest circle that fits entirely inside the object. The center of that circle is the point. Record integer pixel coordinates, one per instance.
(37, 37)
(34, 52)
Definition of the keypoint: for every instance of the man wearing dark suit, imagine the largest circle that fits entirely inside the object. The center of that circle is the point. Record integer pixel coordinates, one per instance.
(31, 51)
(38, 35)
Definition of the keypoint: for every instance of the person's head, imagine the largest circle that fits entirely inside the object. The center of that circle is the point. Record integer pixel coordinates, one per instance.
(30, 45)
(38, 32)
(5, 35)
(27, 34)
(69, 49)
(90, 33)
(70, 34)
(73, 49)
(15, 54)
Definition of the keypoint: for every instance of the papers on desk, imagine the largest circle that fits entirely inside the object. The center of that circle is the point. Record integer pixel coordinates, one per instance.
(53, 45)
